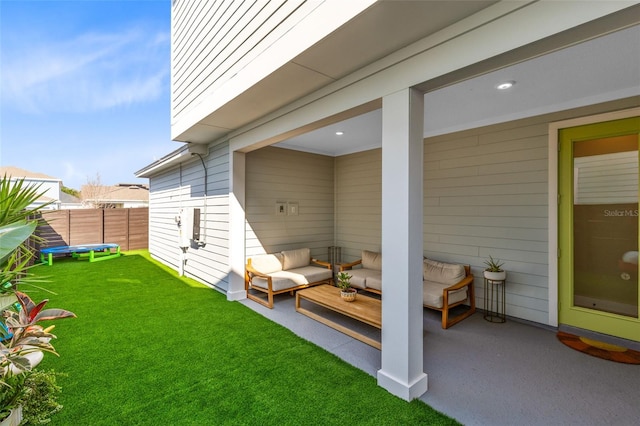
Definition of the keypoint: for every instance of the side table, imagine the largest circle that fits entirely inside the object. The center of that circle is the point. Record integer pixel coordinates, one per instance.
(494, 300)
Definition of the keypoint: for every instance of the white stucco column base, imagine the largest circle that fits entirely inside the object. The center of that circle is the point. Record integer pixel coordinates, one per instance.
(236, 290)
(406, 391)
(402, 244)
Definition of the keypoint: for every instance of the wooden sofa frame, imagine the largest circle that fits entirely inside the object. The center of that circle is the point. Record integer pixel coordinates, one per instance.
(447, 319)
(250, 273)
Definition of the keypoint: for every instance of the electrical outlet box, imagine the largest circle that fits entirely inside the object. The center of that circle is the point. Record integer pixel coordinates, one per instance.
(281, 208)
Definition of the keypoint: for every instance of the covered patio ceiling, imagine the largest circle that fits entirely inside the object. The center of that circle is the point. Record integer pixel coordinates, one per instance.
(598, 70)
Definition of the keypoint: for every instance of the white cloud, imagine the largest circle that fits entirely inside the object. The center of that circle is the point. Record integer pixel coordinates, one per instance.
(91, 72)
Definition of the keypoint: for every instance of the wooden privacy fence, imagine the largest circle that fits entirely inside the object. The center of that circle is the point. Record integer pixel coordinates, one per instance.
(128, 228)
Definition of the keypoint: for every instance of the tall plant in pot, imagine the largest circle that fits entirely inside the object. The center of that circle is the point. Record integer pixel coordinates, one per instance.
(347, 292)
(494, 270)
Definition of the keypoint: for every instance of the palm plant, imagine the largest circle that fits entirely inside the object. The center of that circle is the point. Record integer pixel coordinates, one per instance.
(16, 227)
(22, 340)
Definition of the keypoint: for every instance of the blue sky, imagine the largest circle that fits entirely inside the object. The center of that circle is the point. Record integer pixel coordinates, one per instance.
(85, 87)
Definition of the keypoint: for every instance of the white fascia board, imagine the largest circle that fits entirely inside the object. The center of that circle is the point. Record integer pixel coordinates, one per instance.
(497, 29)
(322, 19)
(168, 161)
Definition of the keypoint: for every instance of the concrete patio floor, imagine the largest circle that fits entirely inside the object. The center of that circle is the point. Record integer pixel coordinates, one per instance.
(483, 373)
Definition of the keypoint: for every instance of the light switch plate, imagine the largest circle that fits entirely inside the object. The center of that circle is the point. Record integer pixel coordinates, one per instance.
(293, 209)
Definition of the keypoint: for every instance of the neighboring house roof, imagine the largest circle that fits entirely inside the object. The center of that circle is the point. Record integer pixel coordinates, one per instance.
(17, 172)
(121, 192)
(68, 198)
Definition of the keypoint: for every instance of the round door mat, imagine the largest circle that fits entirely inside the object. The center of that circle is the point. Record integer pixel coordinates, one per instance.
(600, 349)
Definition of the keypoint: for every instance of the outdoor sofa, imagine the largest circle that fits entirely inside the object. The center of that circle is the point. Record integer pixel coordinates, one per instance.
(444, 285)
(286, 271)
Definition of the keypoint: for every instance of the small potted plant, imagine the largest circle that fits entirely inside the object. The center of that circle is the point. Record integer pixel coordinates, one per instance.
(494, 271)
(347, 292)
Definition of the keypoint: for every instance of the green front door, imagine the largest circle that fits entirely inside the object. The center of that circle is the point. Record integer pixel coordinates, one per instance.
(598, 227)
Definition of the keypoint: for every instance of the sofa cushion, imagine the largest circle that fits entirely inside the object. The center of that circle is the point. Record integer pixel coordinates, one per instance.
(296, 258)
(282, 280)
(374, 280)
(444, 273)
(267, 263)
(371, 260)
(358, 277)
(278, 283)
(308, 274)
(432, 294)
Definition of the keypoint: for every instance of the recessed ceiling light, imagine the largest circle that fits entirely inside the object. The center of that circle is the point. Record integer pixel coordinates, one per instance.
(505, 85)
(339, 133)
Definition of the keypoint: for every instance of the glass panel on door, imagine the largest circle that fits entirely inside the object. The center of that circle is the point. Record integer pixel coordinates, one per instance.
(605, 233)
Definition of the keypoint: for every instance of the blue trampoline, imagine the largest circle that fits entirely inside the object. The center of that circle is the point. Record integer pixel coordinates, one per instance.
(95, 252)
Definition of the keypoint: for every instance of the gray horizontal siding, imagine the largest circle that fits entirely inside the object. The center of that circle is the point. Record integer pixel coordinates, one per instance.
(280, 175)
(486, 193)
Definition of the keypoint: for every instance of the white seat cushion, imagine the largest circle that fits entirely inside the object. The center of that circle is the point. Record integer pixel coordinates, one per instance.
(374, 280)
(432, 294)
(278, 283)
(282, 280)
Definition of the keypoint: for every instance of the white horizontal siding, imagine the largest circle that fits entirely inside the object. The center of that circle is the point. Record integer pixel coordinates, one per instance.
(183, 187)
(606, 179)
(214, 40)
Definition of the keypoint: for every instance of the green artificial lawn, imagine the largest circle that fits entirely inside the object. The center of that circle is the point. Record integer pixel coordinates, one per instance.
(150, 348)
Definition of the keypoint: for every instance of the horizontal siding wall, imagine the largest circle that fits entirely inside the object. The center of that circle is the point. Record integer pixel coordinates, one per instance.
(213, 40)
(359, 203)
(182, 188)
(486, 195)
(280, 175)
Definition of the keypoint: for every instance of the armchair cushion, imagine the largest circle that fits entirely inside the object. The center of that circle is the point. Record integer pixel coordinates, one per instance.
(443, 273)
(432, 294)
(371, 260)
(298, 258)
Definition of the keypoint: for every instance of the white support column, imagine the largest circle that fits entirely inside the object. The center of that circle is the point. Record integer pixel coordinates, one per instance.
(402, 199)
(236, 226)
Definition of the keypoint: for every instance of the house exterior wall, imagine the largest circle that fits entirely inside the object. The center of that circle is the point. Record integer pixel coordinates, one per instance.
(280, 175)
(50, 190)
(486, 193)
(183, 187)
(359, 203)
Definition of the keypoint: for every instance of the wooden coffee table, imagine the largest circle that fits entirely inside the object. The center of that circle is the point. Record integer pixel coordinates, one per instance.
(364, 309)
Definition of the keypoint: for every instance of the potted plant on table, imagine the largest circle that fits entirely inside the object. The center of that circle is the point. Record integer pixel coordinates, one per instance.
(494, 271)
(347, 292)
